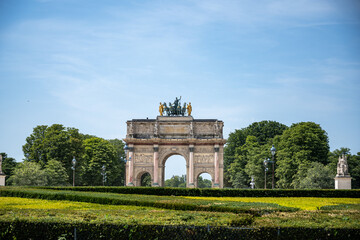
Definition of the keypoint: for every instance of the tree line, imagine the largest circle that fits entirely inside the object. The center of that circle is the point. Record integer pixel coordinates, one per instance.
(302, 160)
(49, 152)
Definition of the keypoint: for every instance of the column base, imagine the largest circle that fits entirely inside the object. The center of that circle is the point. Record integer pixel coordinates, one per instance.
(130, 184)
(155, 185)
(191, 185)
(216, 185)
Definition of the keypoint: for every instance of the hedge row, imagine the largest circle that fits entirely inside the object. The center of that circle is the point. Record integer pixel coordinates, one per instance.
(91, 198)
(59, 230)
(219, 192)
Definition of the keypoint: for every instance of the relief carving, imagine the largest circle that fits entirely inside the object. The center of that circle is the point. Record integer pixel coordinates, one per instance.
(143, 158)
(203, 149)
(203, 158)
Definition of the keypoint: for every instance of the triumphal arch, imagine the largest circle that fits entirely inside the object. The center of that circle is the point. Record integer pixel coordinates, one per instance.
(174, 132)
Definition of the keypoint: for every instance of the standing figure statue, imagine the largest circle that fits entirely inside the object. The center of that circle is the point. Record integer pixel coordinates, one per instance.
(161, 109)
(177, 102)
(342, 166)
(189, 109)
(166, 109)
(183, 110)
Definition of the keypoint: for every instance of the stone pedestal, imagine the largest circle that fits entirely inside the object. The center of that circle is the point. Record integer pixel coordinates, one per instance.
(2, 179)
(342, 182)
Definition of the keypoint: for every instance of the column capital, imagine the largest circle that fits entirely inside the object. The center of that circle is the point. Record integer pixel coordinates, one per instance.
(156, 149)
(191, 147)
(216, 149)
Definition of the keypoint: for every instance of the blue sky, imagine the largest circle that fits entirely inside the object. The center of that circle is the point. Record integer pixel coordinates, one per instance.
(93, 65)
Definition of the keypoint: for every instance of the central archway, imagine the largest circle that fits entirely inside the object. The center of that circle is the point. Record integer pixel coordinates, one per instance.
(174, 171)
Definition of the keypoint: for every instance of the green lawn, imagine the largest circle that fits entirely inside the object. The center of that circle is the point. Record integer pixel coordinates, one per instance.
(265, 212)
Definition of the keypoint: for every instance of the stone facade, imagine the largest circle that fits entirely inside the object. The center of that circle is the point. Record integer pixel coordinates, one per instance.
(152, 141)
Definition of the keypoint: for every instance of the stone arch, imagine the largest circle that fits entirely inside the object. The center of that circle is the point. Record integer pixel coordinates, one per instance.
(162, 166)
(139, 174)
(152, 141)
(201, 172)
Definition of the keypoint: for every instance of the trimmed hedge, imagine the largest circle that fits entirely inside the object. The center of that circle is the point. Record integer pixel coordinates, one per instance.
(207, 192)
(92, 198)
(60, 230)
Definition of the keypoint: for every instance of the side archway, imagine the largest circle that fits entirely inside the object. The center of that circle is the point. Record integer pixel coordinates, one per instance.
(143, 179)
(204, 180)
(199, 177)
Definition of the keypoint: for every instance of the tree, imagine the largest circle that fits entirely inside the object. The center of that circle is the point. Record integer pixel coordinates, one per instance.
(354, 170)
(203, 183)
(56, 174)
(317, 176)
(119, 165)
(53, 143)
(98, 152)
(8, 165)
(145, 180)
(28, 174)
(263, 132)
(299, 146)
(176, 181)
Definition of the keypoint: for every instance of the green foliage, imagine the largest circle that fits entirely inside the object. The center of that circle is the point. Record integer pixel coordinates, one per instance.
(53, 143)
(176, 181)
(203, 183)
(145, 180)
(160, 191)
(166, 202)
(8, 165)
(236, 151)
(317, 176)
(31, 174)
(56, 174)
(245, 220)
(97, 153)
(28, 174)
(299, 146)
(118, 167)
(33, 229)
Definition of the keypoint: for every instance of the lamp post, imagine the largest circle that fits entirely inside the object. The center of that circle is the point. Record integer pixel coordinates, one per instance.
(266, 161)
(73, 168)
(103, 173)
(126, 149)
(273, 151)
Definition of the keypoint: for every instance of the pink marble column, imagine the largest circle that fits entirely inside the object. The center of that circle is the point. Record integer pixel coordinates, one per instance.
(156, 165)
(131, 166)
(216, 163)
(191, 166)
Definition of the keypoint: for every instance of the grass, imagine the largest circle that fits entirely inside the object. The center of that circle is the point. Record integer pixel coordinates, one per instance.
(12, 208)
(274, 212)
(303, 203)
(162, 202)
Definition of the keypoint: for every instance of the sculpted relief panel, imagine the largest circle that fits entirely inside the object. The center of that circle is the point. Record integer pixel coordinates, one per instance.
(143, 158)
(203, 158)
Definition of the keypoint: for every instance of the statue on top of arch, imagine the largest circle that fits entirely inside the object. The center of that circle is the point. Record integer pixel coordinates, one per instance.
(175, 109)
